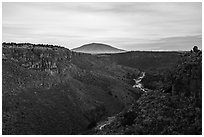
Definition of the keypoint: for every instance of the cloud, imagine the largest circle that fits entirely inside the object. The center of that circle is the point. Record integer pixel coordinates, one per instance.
(171, 43)
(124, 25)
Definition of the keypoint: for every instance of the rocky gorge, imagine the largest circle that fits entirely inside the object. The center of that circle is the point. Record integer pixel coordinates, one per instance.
(66, 92)
(51, 90)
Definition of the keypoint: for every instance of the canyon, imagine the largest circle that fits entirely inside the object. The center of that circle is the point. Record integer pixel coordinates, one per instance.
(50, 90)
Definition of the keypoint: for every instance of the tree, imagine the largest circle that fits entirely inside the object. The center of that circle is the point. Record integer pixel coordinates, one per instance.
(195, 49)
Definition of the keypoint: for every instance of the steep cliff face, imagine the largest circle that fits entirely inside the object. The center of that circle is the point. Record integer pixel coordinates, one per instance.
(35, 57)
(51, 90)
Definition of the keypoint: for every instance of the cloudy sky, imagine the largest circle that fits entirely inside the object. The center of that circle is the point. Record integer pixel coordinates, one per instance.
(130, 26)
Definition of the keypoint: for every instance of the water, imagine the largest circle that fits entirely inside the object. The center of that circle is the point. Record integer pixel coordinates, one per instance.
(109, 120)
(102, 124)
(138, 84)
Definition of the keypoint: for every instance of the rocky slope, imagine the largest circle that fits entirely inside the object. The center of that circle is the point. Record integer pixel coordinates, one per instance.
(175, 111)
(51, 90)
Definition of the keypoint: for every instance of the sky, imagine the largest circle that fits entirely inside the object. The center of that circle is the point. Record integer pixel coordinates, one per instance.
(129, 26)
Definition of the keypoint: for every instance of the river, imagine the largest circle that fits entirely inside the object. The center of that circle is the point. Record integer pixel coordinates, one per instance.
(102, 124)
(109, 120)
(138, 84)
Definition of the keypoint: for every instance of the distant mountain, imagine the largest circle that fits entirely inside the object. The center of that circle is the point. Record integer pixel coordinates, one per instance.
(97, 48)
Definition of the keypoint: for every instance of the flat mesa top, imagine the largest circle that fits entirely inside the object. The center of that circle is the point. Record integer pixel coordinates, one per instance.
(97, 48)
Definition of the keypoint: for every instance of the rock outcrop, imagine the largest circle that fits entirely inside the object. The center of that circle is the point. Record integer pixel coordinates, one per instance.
(51, 90)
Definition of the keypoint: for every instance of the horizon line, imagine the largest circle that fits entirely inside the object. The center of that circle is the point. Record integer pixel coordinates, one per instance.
(159, 50)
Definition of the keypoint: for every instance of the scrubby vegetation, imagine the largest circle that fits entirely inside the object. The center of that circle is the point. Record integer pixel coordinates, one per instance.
(147, 60)
(49, 89)
(174, 111)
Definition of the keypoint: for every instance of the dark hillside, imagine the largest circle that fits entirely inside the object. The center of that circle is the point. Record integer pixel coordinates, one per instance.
(147, 60)
(174, 111)
(155, 64)
(51, 90)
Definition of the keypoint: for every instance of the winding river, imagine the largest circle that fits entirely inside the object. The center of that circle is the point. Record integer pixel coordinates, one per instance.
(109, 120)
(138, 84)
(102, 124)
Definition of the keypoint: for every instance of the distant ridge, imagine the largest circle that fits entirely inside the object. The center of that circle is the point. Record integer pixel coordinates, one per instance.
(97, 48)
